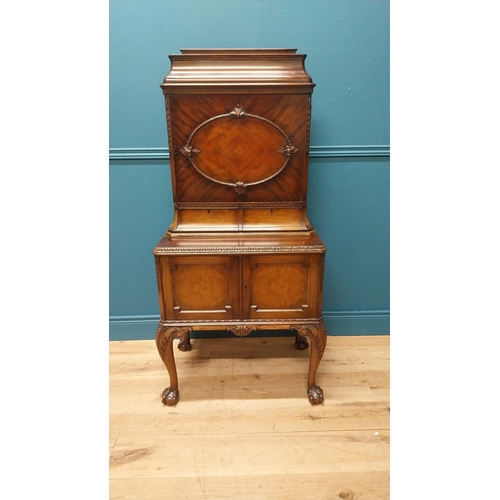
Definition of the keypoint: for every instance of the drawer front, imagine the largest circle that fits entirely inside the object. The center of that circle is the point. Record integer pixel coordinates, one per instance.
(200, 287)
(281, 286)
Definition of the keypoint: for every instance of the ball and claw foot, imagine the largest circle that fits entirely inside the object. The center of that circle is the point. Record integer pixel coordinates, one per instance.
(315, 394)
(170, 397)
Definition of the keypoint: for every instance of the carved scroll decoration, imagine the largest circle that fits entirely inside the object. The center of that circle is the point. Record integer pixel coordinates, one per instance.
(238, 113)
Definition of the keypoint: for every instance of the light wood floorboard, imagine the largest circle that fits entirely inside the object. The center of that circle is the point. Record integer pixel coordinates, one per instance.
(243, 427)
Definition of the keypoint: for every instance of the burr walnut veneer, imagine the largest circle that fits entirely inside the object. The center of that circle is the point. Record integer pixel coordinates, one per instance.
(240, 254)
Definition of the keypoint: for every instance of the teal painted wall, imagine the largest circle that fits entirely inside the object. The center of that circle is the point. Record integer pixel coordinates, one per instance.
(347, 47)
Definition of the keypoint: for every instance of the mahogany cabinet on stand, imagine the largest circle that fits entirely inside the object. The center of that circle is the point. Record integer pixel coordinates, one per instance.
(240, 254)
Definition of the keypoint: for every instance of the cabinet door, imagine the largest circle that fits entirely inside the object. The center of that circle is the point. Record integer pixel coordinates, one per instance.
(280, 286)
(201, 287)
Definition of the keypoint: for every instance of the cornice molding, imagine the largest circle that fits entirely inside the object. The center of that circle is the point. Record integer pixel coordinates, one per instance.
(373, 151)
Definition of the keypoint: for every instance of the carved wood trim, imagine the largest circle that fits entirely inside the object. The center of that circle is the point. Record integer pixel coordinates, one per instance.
(321, 272)
(164, 334)
(237, 113)
(317, 333)
(160, 250)
(159, 282)
(280, 323)
(243, 204)
(308, 129)
(169, 126)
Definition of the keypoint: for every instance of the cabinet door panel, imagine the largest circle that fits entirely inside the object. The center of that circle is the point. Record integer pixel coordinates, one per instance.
(280, 286)
(202, 287)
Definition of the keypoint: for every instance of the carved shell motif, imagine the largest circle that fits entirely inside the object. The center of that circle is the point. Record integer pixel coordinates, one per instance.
(241, 330)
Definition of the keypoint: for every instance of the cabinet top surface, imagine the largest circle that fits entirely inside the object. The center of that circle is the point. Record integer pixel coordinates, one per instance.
(248, 67)
(240, 51)
(241, 244)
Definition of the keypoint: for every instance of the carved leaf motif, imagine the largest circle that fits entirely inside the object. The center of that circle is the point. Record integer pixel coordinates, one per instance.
(288, 150)
(316, 333)
(164, 335)
(189, 151)
(240, 187)
(238, 112)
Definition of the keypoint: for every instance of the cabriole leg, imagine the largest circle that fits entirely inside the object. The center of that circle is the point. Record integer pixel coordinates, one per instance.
(317, 335)
(164, 340)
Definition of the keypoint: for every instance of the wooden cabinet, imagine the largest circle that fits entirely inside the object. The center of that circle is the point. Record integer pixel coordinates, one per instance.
(240, 254)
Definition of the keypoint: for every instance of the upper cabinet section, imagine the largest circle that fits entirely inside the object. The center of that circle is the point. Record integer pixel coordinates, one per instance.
(236, 70)
(238, 127)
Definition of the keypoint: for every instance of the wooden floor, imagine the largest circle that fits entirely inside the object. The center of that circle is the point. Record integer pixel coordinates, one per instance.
(243, 427)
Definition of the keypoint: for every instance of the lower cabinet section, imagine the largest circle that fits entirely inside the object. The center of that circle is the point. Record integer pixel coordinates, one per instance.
(241, 294)
(228, 287)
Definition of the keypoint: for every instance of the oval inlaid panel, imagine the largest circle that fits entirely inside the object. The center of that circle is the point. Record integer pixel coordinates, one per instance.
(238, 149)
